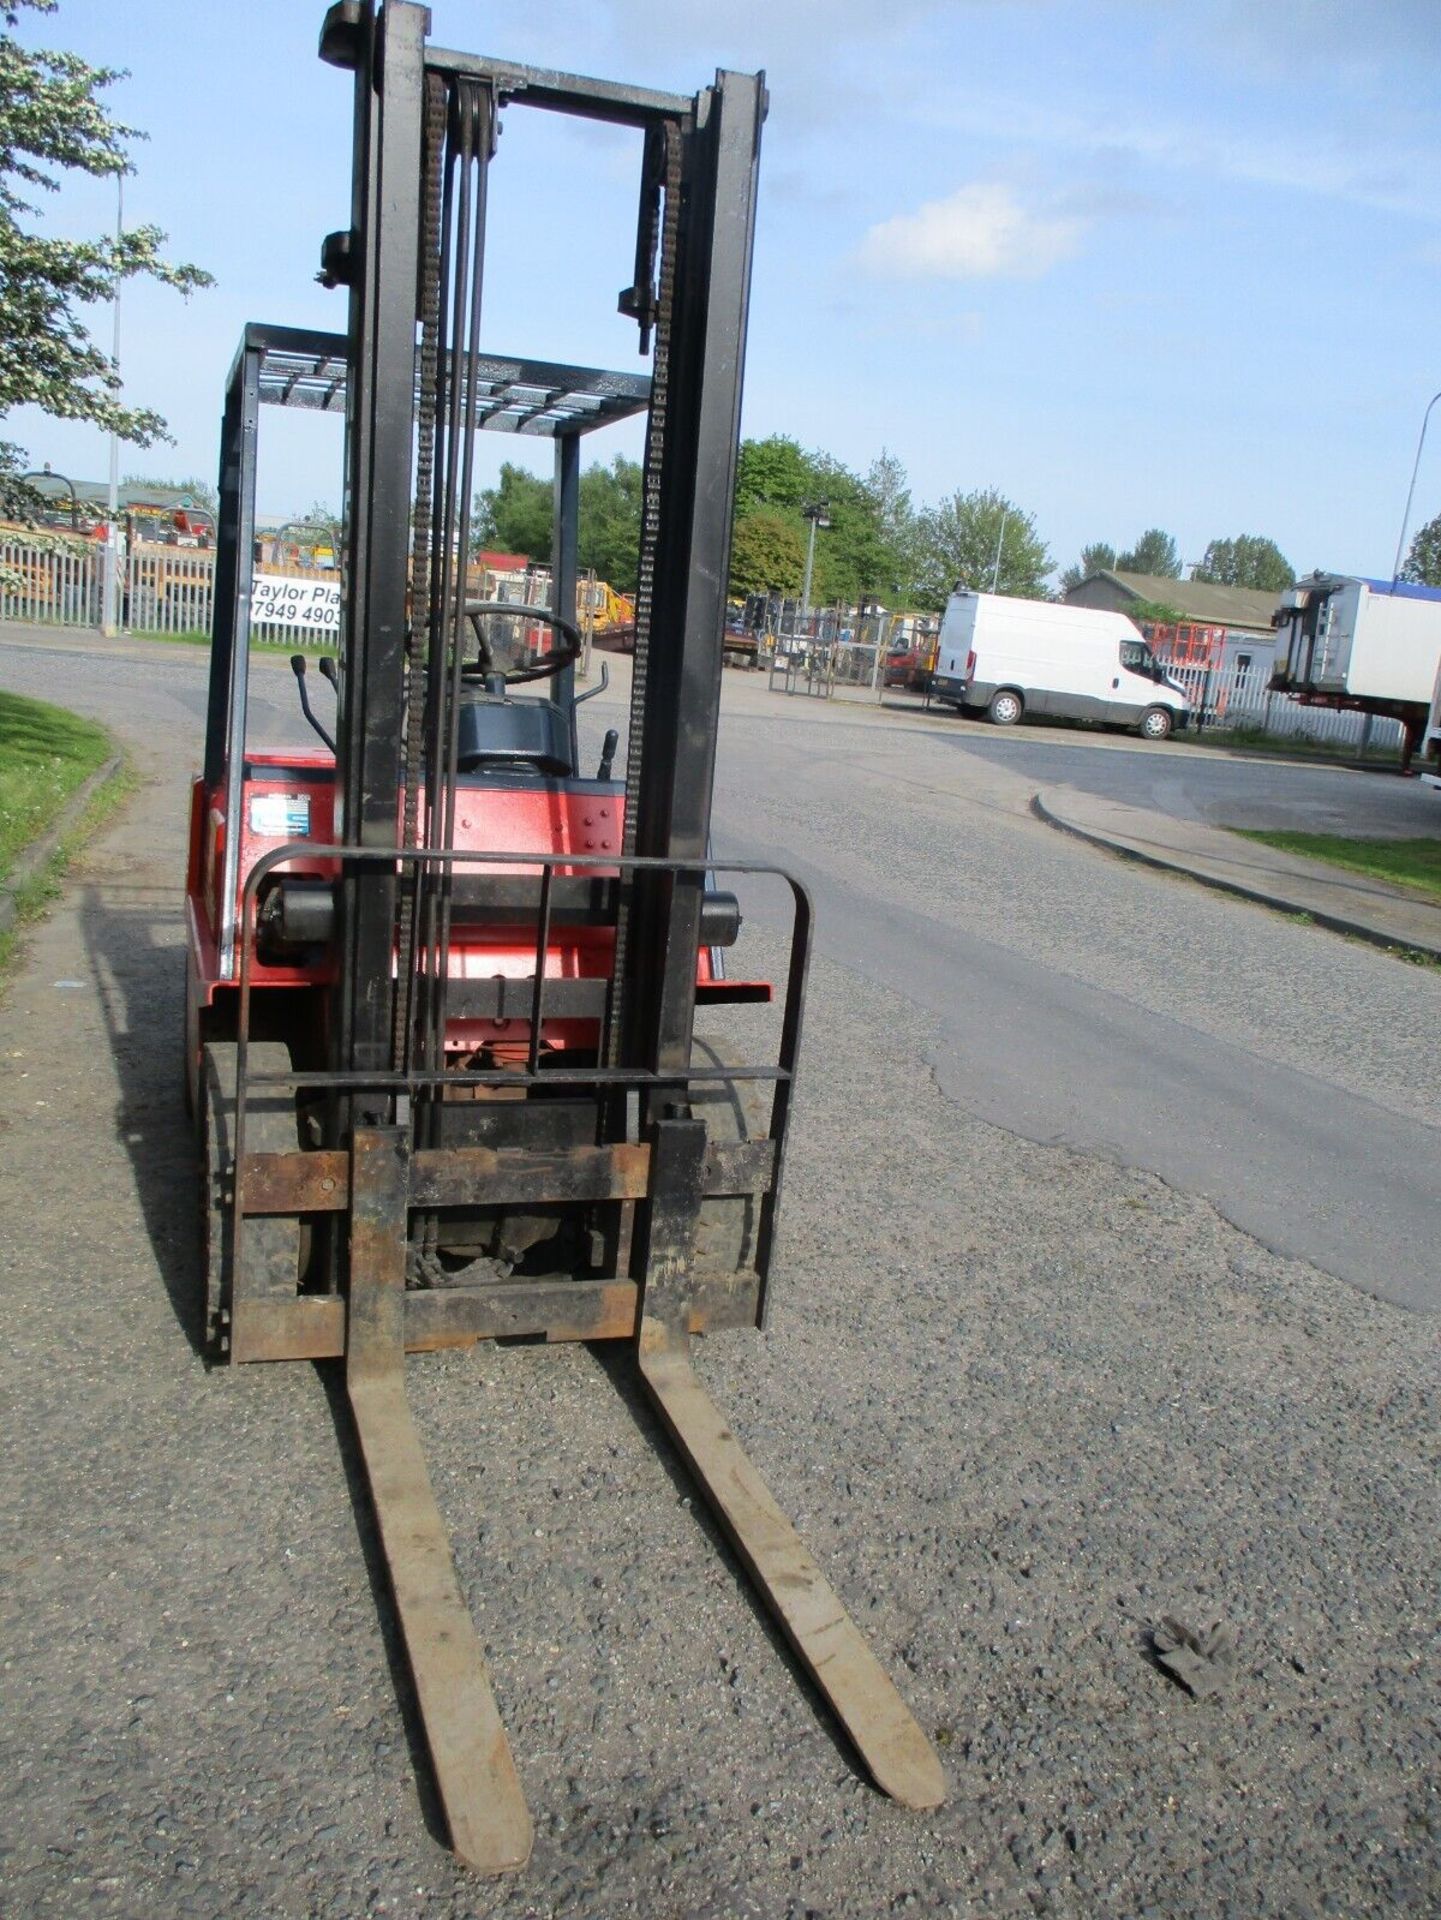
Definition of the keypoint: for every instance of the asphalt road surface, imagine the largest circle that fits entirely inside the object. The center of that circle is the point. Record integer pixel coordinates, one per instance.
(1096, 1177)
(1084, 1004)
(1219, 788)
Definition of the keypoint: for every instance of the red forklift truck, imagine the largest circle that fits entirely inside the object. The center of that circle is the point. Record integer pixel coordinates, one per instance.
(443, 980)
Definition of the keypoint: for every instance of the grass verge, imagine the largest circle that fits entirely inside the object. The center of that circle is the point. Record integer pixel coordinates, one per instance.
(1413, 864)
(1292, 746)
(46, 755)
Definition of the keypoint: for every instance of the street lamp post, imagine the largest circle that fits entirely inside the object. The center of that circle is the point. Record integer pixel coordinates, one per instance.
(818, 513)
(110, 590)
(1000, 544)
(1411, 491)
(47, 472)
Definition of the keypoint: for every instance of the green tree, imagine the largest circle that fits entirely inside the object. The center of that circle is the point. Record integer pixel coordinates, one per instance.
(852, 560)
(318, 515)
(610, 508)
(1423, 562)
(516, 515)
(1099, 557)
(961, 539)
(1246, 561)
(855, 556)
(896, 523)
(53, 121)
(773, 473)
(767, 554)
(1154, 553)
(1155, 612)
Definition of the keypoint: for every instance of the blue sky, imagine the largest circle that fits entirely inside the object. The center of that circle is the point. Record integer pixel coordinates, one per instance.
(1174, 262)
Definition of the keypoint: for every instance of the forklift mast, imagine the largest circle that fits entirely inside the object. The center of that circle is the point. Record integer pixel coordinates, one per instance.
(443, 984)
(425, 131)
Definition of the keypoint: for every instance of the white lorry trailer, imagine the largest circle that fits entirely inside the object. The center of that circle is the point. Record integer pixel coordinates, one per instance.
(1371, 646)
(1431, 744)
(1007, 658)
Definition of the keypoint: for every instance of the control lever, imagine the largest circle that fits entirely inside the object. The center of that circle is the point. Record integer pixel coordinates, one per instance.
(297, 667)
(326, 664)
(607, 753)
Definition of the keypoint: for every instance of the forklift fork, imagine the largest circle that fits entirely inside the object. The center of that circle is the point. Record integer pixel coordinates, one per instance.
(821, 1633)
(474, 1770)
(824, 1638)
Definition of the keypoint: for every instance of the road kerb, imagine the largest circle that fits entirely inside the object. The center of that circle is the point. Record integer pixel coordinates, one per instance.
(38, 855)
(1277, 897)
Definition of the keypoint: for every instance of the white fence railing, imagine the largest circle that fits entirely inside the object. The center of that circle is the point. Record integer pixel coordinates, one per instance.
(168, 590)
(60, 582)
(57, 583)
(1237, 697)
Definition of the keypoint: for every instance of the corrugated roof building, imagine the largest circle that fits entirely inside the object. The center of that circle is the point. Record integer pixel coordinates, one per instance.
(1240, 610)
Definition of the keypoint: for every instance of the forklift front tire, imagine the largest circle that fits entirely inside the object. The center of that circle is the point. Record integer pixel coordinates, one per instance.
(733, 1111)
(273, 1242)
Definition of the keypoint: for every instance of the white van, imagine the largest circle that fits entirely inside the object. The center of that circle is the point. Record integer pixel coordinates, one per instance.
(1012, 657)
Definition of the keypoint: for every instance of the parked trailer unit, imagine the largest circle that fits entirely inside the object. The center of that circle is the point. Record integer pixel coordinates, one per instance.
(1431, 743)
(1368, 645)
(1008, 658)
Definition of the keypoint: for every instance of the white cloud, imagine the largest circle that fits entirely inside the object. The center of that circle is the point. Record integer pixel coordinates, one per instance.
(980, 232)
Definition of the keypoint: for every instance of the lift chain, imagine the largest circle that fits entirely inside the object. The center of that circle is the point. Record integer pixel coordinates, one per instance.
(418, 633)
(662, 313)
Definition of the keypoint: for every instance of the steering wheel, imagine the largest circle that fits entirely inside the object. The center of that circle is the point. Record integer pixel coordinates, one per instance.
(547, 664)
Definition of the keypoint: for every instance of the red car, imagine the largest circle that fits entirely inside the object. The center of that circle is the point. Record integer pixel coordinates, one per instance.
(908, 667)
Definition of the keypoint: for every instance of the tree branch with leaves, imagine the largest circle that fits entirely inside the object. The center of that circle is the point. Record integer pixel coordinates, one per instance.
(983, 541)
(1423, 560)
(53, 121)
(1249, 560)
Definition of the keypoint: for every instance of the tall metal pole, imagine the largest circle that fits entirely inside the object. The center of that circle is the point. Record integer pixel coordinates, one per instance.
(1000, 542)
(110, 611)
(810, 563)
(816, 512)
(1411, 490)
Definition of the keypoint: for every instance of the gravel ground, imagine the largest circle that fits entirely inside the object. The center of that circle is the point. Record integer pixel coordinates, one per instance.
(1022, 1404)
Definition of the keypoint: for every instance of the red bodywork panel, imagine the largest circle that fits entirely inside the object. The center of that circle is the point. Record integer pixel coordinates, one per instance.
(290, 797)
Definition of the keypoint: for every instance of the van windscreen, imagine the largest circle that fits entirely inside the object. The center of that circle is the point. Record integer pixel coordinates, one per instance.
(1137, 657)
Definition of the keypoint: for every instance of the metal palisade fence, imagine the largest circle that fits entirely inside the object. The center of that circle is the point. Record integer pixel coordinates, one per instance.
(58, 580)
(51, 582)
(167, 590)
(1237, 697)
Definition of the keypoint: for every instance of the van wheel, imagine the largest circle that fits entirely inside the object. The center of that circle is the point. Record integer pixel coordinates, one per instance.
(1006, 707)
(1156, 723)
